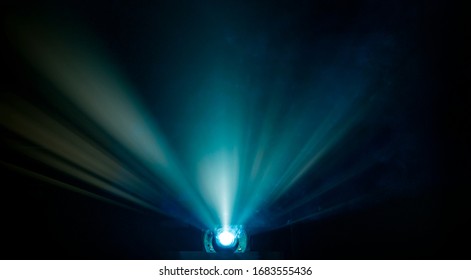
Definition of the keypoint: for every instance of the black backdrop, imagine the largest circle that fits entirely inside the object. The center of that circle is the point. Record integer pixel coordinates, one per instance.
(40, 221)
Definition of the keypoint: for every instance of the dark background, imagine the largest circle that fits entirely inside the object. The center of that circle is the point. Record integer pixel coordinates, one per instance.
(425, 217)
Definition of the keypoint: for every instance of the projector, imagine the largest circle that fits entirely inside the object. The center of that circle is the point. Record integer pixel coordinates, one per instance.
(225, 239)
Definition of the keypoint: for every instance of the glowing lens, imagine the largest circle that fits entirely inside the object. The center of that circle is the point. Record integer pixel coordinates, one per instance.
(226, 238)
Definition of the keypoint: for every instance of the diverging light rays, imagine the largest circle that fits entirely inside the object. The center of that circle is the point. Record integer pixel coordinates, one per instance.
(83, 74)
(72, 153)
(245, 149)
(302, 137)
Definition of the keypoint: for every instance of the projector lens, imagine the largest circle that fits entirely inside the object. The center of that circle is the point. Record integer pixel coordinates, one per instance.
(230, 238)
(226, 238)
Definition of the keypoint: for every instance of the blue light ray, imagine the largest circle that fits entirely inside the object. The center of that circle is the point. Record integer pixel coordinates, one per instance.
(245, 145)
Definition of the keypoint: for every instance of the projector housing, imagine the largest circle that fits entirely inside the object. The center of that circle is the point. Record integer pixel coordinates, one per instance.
(213, 245)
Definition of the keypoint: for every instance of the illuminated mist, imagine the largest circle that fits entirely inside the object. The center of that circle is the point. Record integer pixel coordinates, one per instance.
(243, 137)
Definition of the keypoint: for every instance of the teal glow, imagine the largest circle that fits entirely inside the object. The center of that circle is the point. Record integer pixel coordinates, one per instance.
(226, 238)
(244, 146)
